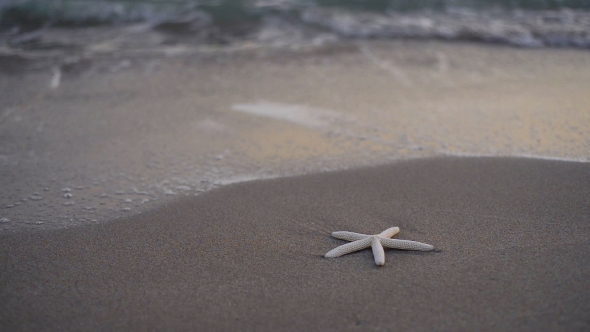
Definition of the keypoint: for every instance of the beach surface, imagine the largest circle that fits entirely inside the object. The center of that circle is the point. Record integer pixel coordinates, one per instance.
(511, 240)
(196, 188)
(110, 135)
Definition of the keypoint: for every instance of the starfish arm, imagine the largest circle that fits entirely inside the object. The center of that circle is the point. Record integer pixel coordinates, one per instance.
(378, 252)
(349, 247)
(405, 244)
(389, 232)
(349, 236)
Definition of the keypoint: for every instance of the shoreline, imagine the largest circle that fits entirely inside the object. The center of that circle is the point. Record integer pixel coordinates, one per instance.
(115, 138)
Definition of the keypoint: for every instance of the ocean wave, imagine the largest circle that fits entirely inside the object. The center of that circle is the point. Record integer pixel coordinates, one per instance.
(282, 20)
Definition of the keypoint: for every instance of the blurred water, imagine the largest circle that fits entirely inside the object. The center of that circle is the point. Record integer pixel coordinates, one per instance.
(518, 22)
(231, 11)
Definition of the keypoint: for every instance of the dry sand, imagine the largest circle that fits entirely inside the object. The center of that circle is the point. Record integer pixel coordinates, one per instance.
(512, 238)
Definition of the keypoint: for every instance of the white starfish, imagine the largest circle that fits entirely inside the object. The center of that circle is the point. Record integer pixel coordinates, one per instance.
(376, 241)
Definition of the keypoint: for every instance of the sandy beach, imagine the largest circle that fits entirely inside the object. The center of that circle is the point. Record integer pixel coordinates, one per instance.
(511, 241)
(148, 184)
(123, 134)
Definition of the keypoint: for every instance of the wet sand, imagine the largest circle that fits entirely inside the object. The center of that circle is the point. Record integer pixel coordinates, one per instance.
(511, 240)
(121, 134)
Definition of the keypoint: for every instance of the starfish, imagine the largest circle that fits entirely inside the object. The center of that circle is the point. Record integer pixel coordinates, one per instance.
(376, 242)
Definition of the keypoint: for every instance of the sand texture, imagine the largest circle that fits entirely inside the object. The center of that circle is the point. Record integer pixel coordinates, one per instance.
(129, 134)
(511, 238)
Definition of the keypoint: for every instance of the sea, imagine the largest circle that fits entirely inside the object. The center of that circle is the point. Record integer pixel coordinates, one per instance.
(526, 23)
